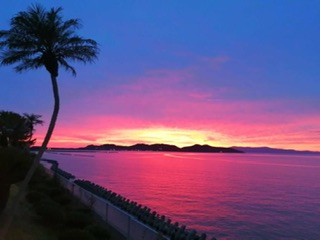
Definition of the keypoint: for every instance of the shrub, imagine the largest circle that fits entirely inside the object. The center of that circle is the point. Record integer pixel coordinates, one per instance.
(34, 197)
(99, 232)
(53, 183)
(40, 187)
(76, 234)
(46, 202)
(84, 210)
(47, 186)
(75, 219)
(50, 212)
(14, 164)
(39, 176)
(63, 199)
(55, 191)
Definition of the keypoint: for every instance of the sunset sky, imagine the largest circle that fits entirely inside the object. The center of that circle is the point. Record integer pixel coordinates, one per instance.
(223, 73)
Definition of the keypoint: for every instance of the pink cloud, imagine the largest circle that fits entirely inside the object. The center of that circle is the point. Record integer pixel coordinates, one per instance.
(167, 100)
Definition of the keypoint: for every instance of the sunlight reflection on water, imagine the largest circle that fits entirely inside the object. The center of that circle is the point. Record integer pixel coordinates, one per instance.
(229, 196)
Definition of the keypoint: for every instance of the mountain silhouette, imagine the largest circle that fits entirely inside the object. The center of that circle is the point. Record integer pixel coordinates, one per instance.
(161, 147)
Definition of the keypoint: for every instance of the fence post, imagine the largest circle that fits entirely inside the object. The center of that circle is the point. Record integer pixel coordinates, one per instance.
(80, 194)
(92, 200)
(128, 230)
(107, 212)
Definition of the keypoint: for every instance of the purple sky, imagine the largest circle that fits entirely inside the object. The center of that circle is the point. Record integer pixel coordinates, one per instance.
(211, 72)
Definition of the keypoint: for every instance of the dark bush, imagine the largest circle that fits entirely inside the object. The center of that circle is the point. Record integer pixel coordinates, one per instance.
(50, 212)
(47, 186)
(53, 183)
(46, 202)
(63, 199)
(75, 219)
(84, 210)
(39, 187)
(34, 197)
(39, 176)
(55, 191)
(14, 165)
(76, 234)
(99, 232)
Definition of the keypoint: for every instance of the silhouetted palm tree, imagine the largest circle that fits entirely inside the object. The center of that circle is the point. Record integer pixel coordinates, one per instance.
(39, 38)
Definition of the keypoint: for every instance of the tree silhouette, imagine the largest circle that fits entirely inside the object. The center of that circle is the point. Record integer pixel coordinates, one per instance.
(31, 121)
(17, 130)
(14, 164)
(40, 38)
(16, 133)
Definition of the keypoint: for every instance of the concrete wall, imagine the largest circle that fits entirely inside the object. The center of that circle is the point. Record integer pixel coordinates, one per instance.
(125, 223)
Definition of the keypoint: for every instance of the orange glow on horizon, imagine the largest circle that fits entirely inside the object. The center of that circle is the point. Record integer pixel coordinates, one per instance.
(175, 136)
(158, 107)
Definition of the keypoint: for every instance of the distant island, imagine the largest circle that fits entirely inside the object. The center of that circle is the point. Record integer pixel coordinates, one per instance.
(193, 148)
(269, 150)
(162, 147)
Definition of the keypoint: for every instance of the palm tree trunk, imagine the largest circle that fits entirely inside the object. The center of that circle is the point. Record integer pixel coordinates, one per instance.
(9, 219)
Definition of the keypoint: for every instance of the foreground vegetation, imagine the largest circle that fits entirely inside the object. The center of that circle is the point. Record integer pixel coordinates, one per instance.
(16, 136)
(49, 212)
(26, 225)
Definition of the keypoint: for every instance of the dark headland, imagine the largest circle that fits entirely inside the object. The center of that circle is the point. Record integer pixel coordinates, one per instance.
(268, 150)
(161, 147)
(194, 148)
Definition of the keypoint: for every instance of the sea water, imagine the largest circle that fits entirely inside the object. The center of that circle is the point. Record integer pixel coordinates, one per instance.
(229, 196)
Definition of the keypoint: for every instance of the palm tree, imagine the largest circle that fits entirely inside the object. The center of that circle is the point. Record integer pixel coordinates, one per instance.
(39, 38)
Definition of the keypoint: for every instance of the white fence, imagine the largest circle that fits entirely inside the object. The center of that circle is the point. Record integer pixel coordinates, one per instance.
(128, 225)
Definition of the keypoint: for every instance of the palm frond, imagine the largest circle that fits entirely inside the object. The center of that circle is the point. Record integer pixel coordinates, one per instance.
(40, 38)
(28, 64)
(70, 24)
(67, 67)
(12, 56)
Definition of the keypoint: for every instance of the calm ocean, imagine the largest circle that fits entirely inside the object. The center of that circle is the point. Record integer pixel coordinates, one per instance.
(229, 196)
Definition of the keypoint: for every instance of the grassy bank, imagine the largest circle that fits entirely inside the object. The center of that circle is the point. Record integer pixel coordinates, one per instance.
(25, 225)
(50, 213)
